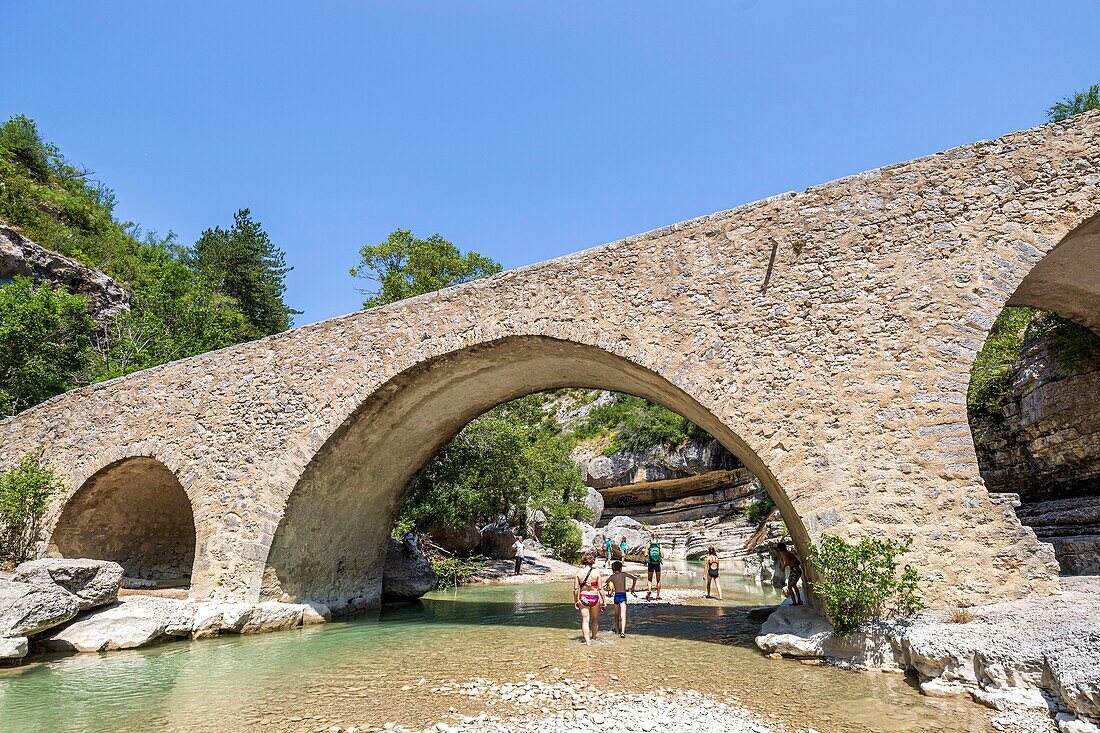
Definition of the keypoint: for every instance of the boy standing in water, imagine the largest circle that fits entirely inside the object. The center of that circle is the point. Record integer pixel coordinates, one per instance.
(654, 556)
(617, 583)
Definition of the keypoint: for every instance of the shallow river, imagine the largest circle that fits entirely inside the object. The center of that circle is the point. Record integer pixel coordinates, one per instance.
(353, 672)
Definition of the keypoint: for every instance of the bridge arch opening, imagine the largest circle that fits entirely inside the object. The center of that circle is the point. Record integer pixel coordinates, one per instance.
(1033, 401)
(330, 544)
(134, 512)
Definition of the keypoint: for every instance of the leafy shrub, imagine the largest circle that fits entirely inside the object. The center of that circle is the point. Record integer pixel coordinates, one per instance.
(989, 377)
(860, 582)
(759, 510)
(562, 535)
(25, 491)
(454, 571)
(636, 424)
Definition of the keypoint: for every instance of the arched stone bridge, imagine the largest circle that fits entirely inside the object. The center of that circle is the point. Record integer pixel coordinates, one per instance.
(825, 337)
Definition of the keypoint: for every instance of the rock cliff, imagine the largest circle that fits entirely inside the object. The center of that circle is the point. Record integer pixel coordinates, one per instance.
(1042, 443)
(20, 257)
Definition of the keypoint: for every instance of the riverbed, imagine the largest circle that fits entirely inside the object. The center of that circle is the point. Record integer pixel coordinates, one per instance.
(369, 671)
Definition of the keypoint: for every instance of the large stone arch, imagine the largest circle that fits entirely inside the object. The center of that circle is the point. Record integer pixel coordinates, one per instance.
(331, 539)
(1067, 279)
(135, 512)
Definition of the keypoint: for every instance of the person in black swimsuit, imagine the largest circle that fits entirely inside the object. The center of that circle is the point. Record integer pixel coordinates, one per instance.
(712, 572)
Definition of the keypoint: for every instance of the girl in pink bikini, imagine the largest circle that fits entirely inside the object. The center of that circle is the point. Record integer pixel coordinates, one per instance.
(588, 596)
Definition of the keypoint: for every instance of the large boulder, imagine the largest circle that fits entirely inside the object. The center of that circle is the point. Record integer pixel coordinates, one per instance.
(802, 633)
(27, 609)
(93, 582)
(590, 538)
(215, 618)
(594, 501)
(461, 540)
(136, 621)
(497, 541)
(407, 574)
(637, 537)
(13, 648)
(273, 616)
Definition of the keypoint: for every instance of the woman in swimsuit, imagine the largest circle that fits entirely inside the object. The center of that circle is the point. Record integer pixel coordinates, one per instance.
(588, 596)
(712, 572)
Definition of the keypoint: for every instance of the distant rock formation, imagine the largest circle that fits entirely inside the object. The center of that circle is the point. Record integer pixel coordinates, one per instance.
(1042, 445)
(20, 257)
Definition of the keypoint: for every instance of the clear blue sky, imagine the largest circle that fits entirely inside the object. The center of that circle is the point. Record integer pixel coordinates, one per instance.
(522, 130)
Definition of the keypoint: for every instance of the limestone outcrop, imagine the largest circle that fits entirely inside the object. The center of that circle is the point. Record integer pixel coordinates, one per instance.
(93, 582)
(20, 257)
(27, 609)
(1042, 444)
(1041, 653)
(407, 574)
(497, 541)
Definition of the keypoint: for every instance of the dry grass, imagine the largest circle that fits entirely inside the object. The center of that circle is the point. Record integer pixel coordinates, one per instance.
(960, 616)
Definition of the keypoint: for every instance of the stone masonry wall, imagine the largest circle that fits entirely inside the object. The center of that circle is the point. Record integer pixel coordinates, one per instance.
(838, 378)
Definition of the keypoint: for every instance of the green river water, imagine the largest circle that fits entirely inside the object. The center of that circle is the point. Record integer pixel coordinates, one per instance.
(353, 672)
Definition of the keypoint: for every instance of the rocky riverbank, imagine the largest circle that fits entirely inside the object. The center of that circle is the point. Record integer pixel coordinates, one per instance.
(534, 706)
(1035, 660)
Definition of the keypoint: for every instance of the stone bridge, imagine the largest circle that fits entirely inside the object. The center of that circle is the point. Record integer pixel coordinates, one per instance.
(825, 337)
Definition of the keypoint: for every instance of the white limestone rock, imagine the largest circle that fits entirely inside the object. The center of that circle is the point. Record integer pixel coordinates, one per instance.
(801, 632)
(27, 609)
(273, 616)
(497, 540)
(133, 622)
(637, 536)
(213, 618)
(13, 648)
(315, 612)
(594, 501)
(93, 582)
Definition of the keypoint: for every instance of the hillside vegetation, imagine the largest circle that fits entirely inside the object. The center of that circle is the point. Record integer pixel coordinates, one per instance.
(225, 289)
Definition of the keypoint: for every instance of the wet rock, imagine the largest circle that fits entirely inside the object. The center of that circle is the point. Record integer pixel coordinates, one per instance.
(407, 574)
(13, 648)
(315, 612)
(496, 541)
(212, 619)
(134, 622)
(93, 582)
(273, 616)
(27, 609)
(760, 613)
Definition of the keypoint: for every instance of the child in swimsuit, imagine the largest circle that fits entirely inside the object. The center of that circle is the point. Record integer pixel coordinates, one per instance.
(617, 583)
(588, 597)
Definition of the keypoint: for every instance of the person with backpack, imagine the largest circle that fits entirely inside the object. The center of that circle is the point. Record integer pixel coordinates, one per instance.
(607, 545)
(654, 557)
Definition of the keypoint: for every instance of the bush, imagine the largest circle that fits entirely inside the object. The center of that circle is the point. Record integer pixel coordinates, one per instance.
(25, 492)
(563, 536)
(759, 510)
(860, 582)
(454, 571)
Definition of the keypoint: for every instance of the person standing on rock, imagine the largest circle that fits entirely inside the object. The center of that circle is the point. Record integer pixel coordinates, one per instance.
(517, 546)
(617, 583)
(607, 545)
(588, 597)
(712, 572)
(653, 566)
(622, 548)
(794, 572)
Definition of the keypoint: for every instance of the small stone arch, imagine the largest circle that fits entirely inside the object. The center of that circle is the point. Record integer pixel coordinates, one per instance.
(135, 512)
(329, 543)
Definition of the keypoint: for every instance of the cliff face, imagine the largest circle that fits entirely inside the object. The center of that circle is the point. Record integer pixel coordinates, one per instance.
(1043, 444)
(20, 257)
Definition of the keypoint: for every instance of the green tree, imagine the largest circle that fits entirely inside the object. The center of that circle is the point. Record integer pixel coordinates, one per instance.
(860, 583)
(1076, 104)
(404, 266)
(44, 343)
(25, 491)
(243, 263)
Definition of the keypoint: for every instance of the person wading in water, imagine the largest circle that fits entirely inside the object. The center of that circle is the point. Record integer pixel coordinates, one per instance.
(794, 572)
(653, 566)
(617, 583)
(588, 597)
(712, 572)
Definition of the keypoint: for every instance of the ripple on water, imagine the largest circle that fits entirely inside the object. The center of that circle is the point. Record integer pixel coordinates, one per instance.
(369, 671)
